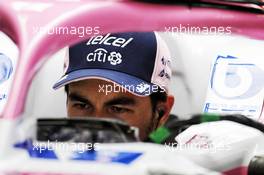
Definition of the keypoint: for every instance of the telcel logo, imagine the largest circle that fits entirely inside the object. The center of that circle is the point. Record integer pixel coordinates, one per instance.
(101, 55)
(109, 40)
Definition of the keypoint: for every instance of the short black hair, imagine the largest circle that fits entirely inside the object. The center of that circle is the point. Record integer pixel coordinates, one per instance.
(155, 98)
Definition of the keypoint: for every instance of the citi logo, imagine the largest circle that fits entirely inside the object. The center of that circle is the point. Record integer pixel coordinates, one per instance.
(101, 55)
(109, 40)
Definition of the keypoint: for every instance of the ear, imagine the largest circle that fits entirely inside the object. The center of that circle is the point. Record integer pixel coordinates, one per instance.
(166, 107)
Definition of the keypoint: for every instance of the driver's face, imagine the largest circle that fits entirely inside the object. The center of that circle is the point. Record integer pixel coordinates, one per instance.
(86, 98)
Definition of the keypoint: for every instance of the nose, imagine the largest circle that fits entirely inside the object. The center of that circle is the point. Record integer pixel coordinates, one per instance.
(101, 114)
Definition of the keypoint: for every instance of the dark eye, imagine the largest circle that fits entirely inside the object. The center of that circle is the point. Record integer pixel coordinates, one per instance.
(117, 109)
(81, 106)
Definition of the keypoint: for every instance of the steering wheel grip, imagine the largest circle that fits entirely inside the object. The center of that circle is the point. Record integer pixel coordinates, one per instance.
(256, 166)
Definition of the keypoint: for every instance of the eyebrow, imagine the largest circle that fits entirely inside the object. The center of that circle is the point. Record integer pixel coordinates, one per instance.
(115, 101)
(76, 97)
(121, 101)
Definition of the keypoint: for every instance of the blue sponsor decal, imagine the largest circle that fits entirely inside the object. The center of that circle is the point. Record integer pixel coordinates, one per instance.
(240, 76)
(206, 108)
(117, 157)
(3, 96)
(109, 156)
(6, 68)
(36, 151)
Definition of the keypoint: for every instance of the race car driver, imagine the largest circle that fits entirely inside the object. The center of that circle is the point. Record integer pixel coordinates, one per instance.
(123, 76)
